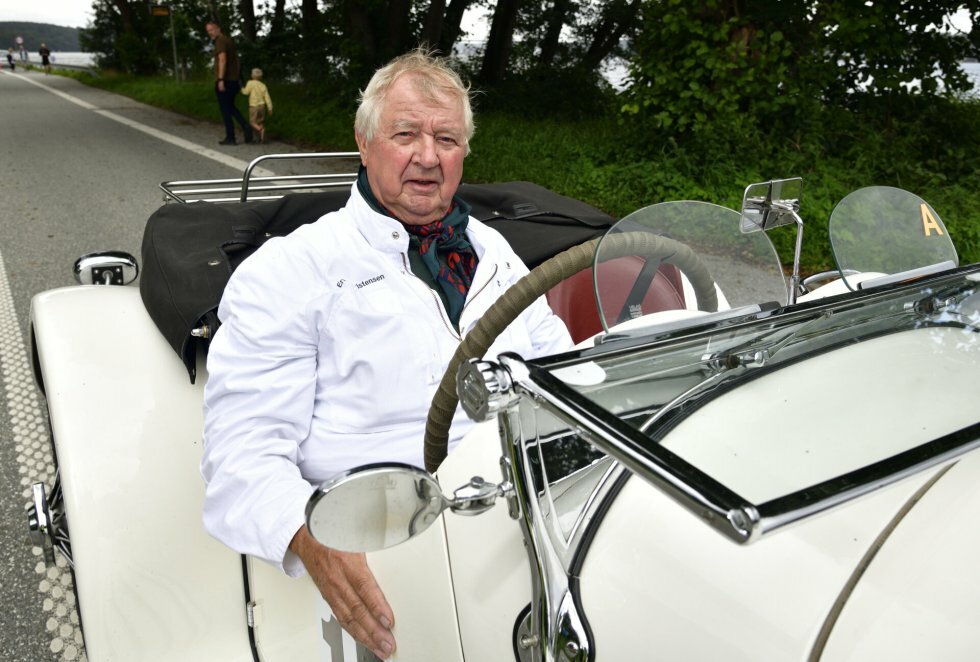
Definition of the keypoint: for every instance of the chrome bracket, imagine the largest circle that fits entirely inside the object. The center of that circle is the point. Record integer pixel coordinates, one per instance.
(39, 522)
(555, 631)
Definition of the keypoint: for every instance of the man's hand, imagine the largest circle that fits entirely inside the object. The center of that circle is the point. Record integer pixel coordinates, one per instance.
(349, 587)
(221, 86)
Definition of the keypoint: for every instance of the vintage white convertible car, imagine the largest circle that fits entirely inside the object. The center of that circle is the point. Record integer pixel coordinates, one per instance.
(729, 466)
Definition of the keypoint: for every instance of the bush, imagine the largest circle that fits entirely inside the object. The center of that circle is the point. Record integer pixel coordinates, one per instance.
(931, 148)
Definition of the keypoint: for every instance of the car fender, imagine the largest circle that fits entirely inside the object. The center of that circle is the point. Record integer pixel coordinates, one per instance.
(919, 597)
(126, 425)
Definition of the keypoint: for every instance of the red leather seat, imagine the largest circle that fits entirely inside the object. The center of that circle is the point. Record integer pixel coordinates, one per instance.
(573, 300)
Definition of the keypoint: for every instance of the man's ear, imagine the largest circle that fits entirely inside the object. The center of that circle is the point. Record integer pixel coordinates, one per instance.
(362, 145)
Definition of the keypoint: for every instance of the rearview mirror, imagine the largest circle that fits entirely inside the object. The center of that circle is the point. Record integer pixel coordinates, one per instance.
(771, 204)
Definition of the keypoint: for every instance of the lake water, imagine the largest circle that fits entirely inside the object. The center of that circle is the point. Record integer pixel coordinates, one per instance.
(74, 59)
(615, 74)
(973, 71)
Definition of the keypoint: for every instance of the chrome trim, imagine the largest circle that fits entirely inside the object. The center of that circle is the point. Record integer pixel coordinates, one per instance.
(46, 521)
(728, 512)
(106, 268)
(818, 280)
(274, 187)
(764, 207)
(478, 496)
(557, 629)
(483, 389)
(39, 522)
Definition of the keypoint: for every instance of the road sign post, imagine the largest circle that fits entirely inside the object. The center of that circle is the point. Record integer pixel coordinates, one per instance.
(164, 10)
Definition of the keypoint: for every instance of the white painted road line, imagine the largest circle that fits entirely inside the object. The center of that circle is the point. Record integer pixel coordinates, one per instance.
(214, 155)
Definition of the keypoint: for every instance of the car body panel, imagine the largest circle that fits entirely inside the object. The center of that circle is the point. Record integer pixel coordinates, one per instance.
(151, 583)
(284, 611)
(922, 587)
(489, 564)
(888, 385)
(417, 583)
(703, 597)
(128, 450)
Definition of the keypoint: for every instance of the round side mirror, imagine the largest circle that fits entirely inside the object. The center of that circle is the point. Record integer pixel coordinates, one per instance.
(374, 507)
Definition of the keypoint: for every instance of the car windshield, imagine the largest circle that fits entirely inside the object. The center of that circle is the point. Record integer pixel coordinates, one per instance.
(883, 231)
(769, 412)
(706, 243)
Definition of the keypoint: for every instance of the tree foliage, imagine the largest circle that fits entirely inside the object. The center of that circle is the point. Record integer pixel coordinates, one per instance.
(725, 62)
(717, 63)
(125, 37)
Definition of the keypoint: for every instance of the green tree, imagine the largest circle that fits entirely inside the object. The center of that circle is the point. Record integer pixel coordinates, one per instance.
(777, 63)
(125, 37)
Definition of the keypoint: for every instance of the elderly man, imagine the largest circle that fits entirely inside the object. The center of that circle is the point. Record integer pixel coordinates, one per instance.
(334, 338)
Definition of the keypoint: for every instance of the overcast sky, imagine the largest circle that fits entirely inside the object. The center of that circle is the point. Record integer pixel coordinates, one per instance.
(70, 13)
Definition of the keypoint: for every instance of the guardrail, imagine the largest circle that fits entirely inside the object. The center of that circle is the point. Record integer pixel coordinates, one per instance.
(35, 61)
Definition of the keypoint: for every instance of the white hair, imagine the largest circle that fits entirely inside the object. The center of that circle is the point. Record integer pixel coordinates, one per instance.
(431, 75)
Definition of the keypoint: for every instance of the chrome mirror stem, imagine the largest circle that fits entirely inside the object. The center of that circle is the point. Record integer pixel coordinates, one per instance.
(478, 496)
(794, 281)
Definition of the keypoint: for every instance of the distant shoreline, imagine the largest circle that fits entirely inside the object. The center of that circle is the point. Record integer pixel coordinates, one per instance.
(79, 59)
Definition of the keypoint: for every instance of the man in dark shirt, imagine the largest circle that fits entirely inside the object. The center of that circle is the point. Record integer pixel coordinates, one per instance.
(227, 83)
(45, 54)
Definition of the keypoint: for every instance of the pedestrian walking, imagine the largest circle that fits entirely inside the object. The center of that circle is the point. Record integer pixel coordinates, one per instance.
(227, 83)
(10, 58)
(45, 54)
(259, 103)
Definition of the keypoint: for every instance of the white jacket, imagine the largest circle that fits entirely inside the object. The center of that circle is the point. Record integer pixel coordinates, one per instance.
(328, 356)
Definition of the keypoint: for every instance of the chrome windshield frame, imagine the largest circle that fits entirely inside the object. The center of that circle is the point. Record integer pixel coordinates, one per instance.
(719, 506)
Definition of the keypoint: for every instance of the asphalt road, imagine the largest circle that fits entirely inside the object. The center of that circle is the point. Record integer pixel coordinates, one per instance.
(79, 170)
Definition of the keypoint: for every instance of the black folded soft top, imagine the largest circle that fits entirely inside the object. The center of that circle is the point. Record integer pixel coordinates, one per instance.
(190, 250)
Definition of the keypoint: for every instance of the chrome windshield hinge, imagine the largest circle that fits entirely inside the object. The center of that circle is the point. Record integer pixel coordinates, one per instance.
(253, 613)
(485, 389)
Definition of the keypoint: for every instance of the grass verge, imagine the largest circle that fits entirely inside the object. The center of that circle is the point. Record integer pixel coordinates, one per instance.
(617, 168)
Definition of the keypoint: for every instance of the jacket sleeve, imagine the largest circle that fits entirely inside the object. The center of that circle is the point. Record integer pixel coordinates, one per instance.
(547, 331)
(258, 404)
(268, 100)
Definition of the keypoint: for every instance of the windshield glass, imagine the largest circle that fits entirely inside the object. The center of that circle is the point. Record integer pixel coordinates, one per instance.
(880, 230)
(705, 255)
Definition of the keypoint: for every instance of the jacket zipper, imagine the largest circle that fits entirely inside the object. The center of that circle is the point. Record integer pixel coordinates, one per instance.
(443, 315)
(496, 268)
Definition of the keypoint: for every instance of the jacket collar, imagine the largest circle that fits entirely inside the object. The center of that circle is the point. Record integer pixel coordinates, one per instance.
(388, 234)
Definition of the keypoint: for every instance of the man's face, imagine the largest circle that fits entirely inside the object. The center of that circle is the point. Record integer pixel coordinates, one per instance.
(415, 159)
(213, 31)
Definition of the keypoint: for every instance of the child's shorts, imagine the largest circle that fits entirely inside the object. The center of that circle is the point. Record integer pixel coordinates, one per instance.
(256, 114)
